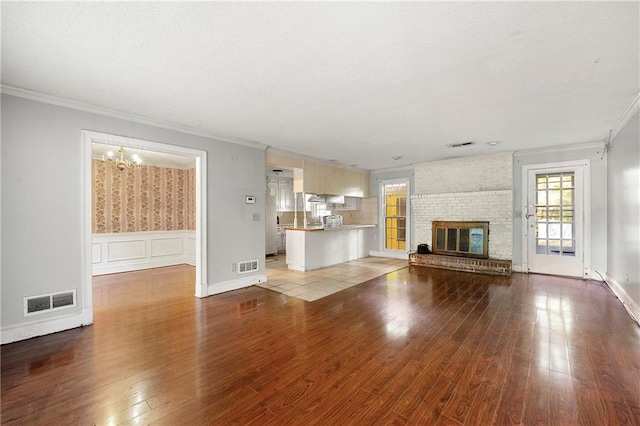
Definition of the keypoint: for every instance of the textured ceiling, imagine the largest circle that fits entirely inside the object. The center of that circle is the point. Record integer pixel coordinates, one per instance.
(355, 82)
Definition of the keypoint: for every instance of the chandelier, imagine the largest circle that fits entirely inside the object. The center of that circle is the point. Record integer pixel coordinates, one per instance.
(121, 162)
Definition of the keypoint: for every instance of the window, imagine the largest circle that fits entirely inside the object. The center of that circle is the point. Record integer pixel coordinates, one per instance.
(395, 216)
(555, 214)
(318, 210)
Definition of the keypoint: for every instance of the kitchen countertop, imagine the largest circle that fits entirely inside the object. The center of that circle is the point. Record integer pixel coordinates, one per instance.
(311, 228)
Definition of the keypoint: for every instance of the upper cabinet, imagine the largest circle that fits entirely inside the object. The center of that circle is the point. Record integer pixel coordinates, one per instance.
(282, 190)
(319, 178)
(350, 204)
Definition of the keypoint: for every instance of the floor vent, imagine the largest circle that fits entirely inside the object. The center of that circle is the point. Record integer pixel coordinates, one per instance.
(247, 266)
(49, 302)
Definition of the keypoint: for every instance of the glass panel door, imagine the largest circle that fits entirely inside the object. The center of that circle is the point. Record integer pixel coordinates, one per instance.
(555, 207)
(554, 217)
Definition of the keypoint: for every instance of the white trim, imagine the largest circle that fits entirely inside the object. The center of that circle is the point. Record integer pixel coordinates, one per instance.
(389, 254)
(224, 286)
(626, 116)
(586, 209)
(407, 168)
(81, 106)
(14, 333)
(516, 268)
(87, 138)
(545, 150)
(629, 304)
(104, 263)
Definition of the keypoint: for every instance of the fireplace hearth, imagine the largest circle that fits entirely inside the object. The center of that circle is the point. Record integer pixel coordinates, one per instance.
(461, 246)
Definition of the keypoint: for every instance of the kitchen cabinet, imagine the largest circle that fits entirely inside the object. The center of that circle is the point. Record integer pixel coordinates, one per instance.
(319, 178)
(285, 195)
(314, 248)
(282, 190)
(350, 204)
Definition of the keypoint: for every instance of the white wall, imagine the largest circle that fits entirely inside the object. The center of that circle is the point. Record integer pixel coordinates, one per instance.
(598, 195)
(623, 215)
(466, 189)
(42, 195)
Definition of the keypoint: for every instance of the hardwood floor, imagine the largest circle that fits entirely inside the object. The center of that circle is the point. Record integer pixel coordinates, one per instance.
(416, 346)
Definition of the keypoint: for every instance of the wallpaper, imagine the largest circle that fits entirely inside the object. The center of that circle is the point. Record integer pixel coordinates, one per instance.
(144, 199)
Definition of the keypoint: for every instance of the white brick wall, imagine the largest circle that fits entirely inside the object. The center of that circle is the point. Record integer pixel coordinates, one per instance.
(472, 188)
(491, 206)
(479, 173)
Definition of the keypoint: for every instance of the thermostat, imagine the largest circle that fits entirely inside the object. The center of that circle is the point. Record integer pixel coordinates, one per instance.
(249, 199)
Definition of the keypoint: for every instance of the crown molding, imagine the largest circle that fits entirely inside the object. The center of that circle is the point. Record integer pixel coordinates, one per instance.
(81, 106)
(626, 116)
(586, 145)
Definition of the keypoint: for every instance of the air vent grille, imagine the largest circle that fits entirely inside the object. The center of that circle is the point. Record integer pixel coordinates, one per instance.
(247, 266)
(459, 145)
(37, 304)
(49, 302)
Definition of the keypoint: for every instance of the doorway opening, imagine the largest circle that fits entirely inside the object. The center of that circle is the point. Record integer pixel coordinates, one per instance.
(555, 225)
(88, 140)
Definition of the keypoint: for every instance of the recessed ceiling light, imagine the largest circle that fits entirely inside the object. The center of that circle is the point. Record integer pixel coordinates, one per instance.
(397, 157)
(354, 165)
(493, 143)
(333, 160)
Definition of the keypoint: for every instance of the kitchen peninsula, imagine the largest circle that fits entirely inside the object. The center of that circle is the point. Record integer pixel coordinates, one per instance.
(316, 247)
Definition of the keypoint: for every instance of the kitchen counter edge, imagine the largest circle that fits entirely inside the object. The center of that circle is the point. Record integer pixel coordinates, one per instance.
(320, 228)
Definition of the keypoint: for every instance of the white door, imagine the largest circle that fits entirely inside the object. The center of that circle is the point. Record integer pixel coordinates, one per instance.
(554, 219)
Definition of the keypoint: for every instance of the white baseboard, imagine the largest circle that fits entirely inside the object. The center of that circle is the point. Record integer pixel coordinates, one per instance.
(516, 268)
(629, 304)
(14, 333)
(236, 284)
(389, 254)
(138, 266)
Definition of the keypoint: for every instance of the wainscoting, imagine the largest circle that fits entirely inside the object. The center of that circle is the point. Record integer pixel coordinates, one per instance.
(132, 251)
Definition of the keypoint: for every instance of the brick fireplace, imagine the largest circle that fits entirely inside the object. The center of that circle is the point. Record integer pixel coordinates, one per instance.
(478, 189)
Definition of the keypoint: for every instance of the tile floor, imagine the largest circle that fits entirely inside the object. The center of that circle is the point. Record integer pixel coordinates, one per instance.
(316, 284)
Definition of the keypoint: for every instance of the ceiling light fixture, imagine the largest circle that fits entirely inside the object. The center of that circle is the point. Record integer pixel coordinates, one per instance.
(493, 143)
(122, 163)
(397, 157)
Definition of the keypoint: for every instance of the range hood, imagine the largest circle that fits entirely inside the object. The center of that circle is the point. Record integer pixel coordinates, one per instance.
(327, 199)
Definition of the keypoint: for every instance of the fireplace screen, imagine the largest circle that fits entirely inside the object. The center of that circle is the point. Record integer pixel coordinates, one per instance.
(461, 238)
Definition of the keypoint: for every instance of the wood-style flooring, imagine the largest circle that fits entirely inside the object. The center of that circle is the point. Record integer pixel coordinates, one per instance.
(416, 346)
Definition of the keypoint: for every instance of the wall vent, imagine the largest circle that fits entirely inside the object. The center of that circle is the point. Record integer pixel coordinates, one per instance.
(49, 302)
(247, 266)
(459, 145)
